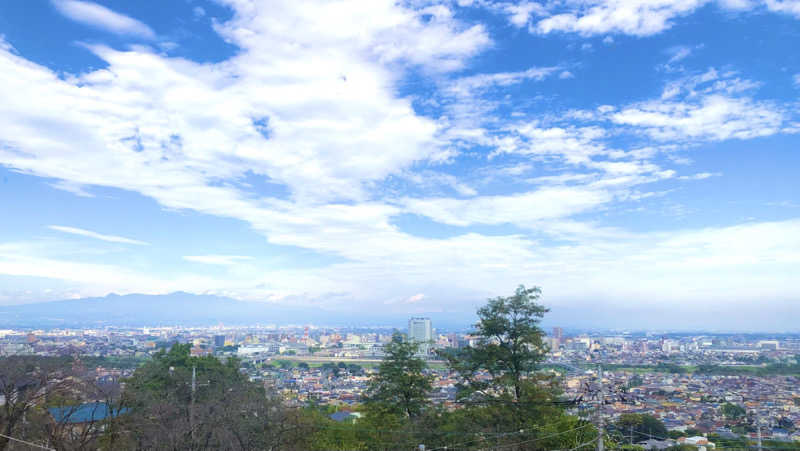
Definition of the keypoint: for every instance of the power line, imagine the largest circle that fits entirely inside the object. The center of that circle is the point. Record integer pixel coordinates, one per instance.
(571, 449)
(512, 433)
(719, 441)
(587, 443)
(36, 445)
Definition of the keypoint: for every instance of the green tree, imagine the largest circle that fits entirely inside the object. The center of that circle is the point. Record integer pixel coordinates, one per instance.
(26, 384)
(510, 349)
(635, 428)
(181, 402)
(400, 386)
(635, 381)
(733, 411)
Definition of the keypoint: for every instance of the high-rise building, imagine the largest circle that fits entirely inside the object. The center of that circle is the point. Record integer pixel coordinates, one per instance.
(420, 331)
(558, 334)
(219, 341)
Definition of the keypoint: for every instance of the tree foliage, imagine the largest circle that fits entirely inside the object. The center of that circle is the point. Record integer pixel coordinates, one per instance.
(505, 400)
(401, 385)
(26, 383)
(499, 373)
(634, 427)
(733, 411)
(223, 411)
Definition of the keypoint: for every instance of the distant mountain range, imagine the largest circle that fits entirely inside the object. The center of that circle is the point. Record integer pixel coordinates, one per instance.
(188, 309)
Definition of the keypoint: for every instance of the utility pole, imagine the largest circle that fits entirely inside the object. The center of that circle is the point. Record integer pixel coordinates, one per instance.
(758, 427)
(191, 403)
(600, 431)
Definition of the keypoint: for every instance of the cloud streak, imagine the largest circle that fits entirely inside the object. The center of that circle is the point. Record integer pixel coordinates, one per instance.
(97, 236)
(99, 16)
(224, 260)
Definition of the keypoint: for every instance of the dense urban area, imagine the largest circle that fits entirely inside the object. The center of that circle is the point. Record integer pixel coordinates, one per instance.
(704, 390)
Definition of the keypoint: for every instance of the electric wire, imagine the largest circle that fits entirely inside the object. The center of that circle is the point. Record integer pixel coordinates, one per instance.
(512, 433)
(36, 445)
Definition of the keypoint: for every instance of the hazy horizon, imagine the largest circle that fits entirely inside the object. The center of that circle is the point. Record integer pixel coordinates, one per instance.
(596, 320)
(637, 161)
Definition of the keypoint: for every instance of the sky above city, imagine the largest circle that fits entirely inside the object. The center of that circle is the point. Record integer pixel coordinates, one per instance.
(636, 159)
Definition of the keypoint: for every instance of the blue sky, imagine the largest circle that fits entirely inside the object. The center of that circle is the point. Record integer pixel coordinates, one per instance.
(637, 159)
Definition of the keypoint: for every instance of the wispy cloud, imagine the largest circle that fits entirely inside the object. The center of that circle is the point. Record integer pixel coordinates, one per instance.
(679, 53)
(638, 17)
(225, 260)
(98, 236)
(98, 16)
(467, 85)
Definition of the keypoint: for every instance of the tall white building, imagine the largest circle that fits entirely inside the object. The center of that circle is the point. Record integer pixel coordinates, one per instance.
(420, 331)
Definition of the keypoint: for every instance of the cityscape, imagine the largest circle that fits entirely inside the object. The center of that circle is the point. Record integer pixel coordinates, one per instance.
(682, 379)
(395, 225)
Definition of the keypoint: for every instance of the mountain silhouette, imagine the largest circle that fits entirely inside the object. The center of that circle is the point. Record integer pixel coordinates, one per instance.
(187, 309)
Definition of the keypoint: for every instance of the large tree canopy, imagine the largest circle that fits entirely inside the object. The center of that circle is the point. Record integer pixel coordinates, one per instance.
(401, 385)
(499, 372)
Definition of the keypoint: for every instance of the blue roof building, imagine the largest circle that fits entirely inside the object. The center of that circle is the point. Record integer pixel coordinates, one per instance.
(85, 413)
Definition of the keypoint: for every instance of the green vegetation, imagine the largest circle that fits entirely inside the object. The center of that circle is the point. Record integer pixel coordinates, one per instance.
(510, 349)
(634, 428)
(120, 362)
(195, 403)
(175, 401)
(774, 369)
(733, 411)
(401, 387)
(503, 400)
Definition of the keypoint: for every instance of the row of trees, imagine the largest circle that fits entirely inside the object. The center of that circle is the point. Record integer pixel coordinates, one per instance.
(179, 402)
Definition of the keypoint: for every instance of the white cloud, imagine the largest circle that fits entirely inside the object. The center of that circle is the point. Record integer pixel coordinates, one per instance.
(638, 17)
(575, 145)
(520, 13)
(468, 85)
(97, 236)
(791, 7)
(526, 209)
(700, 176)
(98, 16)
(328, 97)
(320, 81)
(715, 118)
(70, 187)
(679, 53)
(737, 5)
(185, 133)
(708, 83)
(225, 260)
(634, 17)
